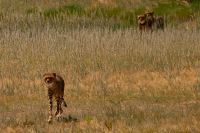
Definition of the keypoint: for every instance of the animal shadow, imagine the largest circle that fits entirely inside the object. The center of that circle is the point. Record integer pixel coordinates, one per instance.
(68, 119)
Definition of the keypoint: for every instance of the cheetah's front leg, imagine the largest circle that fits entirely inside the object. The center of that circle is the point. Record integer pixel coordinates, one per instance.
(58, 106)
(50, 107)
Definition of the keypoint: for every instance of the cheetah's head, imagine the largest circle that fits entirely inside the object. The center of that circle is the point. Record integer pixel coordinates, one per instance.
(49, 78)
(141, 19)
(149, 14)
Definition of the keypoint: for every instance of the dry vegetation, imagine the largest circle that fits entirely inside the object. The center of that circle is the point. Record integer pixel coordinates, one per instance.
(116, 81)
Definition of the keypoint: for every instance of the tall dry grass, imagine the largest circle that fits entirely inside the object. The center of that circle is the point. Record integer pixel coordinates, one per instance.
(116, 81)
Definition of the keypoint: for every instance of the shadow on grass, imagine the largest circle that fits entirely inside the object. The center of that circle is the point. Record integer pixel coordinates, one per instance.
(68, 119)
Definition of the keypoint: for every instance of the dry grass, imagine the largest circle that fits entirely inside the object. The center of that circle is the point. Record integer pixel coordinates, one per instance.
(116, 81)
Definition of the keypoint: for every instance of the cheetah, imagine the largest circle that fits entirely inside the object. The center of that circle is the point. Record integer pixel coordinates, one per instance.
(55, 85)
(141, 19)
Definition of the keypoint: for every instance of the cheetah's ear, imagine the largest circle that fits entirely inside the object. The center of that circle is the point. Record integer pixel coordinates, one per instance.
(44, 75)
(54, 74)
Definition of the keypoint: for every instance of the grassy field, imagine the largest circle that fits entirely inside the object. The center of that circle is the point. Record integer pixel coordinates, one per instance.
(113, 14)
(117, 80)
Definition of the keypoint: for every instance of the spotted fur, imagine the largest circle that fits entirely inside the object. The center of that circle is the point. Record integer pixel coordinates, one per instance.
(141, 19)
(149, 22)
(159, 21)
(55, 85)
(149, 17)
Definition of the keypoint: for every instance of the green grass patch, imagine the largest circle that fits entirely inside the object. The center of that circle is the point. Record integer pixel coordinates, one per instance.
(195, 5)
(73, 9)
(140, 10)
(173, 10)
(115, 16)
